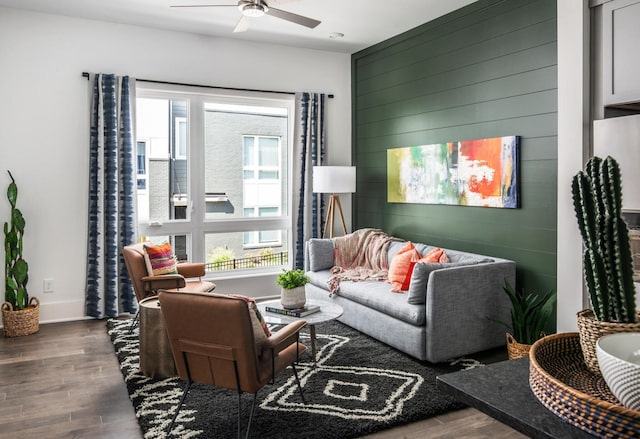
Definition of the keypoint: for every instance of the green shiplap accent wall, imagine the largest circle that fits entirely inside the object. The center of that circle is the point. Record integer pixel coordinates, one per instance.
(486, 70)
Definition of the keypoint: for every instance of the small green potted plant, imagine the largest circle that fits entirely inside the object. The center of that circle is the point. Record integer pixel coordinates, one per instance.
(530, 314)
(293, 294)
(20, 314)
(607, 258)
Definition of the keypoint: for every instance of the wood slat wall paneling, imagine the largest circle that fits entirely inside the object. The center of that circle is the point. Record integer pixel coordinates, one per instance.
(486, 70)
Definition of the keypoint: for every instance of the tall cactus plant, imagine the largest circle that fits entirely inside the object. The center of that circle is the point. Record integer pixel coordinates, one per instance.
(16, 268)
(607, 258)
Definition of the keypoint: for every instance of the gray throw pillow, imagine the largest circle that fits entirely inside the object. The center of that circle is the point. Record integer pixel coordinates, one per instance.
(320, 254)
(417, 294)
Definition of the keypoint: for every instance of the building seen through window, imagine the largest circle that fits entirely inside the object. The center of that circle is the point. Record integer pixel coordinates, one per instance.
(213, 177)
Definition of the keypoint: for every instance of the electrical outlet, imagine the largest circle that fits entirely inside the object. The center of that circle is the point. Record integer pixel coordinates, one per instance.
(47, 286)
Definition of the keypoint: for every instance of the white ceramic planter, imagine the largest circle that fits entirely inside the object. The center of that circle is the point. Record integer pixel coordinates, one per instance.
(619, 360)
(293, 298)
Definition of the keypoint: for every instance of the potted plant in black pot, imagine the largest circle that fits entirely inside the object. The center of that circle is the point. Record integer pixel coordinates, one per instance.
(607, 258)
(20, 314)
(530, 314)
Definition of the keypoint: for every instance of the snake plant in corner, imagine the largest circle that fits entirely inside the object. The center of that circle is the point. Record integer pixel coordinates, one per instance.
(530, 314)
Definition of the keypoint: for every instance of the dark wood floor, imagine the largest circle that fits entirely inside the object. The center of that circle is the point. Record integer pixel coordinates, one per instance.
(64, 382)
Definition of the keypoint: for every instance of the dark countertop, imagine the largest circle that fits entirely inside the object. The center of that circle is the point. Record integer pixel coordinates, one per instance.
(501, 390)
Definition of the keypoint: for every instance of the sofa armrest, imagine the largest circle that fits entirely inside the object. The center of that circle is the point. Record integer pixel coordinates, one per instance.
(459, 300)
(318, 254)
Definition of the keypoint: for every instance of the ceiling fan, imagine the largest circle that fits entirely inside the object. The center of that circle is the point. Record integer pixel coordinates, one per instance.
(258, 8)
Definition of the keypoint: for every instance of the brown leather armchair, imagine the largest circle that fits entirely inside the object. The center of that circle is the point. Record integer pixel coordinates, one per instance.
(213, 343)
(145, 286)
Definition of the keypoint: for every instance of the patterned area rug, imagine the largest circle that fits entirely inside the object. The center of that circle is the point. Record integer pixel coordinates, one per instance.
(358, 386)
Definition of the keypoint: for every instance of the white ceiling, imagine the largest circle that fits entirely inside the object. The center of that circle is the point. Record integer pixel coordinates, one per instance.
(363, 22)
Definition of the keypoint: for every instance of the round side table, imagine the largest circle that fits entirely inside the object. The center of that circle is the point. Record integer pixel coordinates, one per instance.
(328, 311)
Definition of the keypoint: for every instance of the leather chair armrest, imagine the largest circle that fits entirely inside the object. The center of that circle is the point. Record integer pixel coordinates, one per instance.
(191, 269)
(165, 281)
(285, 336)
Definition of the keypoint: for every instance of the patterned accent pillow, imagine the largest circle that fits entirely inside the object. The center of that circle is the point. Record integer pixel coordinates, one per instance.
(401, 267)
(160, 259)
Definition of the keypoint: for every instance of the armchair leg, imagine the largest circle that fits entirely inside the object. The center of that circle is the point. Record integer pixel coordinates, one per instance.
(135, 322)
(253, 405)
(295, 374)
(175, 416)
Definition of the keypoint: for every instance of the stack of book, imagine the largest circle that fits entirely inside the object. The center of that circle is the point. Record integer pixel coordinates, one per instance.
(298, 312)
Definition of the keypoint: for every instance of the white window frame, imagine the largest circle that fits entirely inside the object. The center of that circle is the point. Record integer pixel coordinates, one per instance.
(181, 150)
(196, 226)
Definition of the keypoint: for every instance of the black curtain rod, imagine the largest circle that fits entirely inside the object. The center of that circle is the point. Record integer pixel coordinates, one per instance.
(86, 75)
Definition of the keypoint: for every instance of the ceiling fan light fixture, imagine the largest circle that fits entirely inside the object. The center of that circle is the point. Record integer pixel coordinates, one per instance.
(253, 10)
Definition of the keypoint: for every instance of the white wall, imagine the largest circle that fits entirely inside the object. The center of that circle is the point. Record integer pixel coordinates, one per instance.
(573, 141)
(44, 122)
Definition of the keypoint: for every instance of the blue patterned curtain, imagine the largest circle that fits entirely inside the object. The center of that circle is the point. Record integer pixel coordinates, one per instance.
(309, 152)
(111, 197)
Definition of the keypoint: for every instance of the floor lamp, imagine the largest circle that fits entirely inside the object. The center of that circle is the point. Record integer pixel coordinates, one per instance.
(334, 180)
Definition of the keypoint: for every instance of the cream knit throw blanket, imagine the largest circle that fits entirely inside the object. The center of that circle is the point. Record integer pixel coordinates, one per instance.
(359, 256)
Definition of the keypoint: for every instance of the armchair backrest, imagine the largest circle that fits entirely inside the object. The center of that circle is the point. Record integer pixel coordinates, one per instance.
(212, 340)
(134, 260)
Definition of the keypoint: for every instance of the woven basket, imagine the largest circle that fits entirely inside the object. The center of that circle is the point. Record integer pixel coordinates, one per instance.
(591, 329)
(21, 322)
(516, 350)
(561, 381)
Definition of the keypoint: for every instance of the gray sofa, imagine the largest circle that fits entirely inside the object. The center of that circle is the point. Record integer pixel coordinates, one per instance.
(447, 318)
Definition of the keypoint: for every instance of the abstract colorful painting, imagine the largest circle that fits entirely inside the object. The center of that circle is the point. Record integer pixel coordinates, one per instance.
(480, 172)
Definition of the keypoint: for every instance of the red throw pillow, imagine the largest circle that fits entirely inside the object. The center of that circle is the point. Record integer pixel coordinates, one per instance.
(401, 267)
(435, 255)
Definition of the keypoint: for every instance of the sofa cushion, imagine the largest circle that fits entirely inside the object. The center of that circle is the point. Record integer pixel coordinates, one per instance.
(320, 254)
(417, 293)
(418, 287)
(400, 267)
(376, 295)
(467, 258)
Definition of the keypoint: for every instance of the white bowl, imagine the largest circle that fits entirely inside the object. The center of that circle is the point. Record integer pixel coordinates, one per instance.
(619, 361)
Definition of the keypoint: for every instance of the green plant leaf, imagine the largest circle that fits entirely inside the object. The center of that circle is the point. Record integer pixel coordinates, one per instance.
(529, 313)
(12, 193)
(18, 220)
(20, 271)
(290, 279)
(20, 299)
(10, 296)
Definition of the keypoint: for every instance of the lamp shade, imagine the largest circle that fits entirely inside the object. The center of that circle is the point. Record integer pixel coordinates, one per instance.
(334, 179)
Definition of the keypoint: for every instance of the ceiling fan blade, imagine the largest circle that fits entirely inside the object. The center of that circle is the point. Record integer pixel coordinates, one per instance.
(201, 6)
(294, 18)
(243, 24)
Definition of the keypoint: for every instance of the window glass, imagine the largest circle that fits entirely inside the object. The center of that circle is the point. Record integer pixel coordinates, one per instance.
(162, 122)
(228, 251)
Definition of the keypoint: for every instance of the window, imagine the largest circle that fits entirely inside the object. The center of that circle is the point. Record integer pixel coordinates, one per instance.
(141, 165)
(216, 175)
